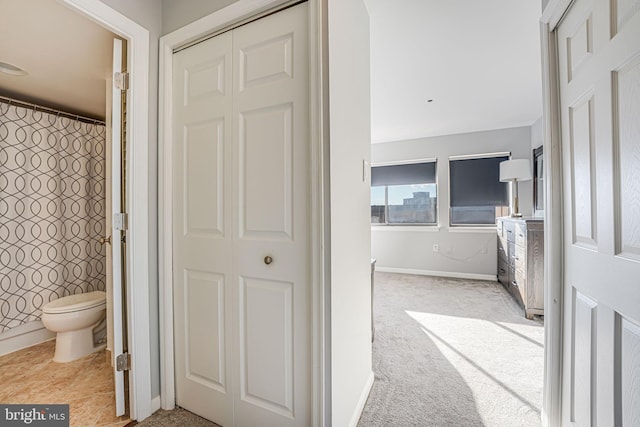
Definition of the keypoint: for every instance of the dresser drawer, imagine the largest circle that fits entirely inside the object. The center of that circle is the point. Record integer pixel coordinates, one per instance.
(511, 253)
(521, 234)
(520, 258)
(521, 282)
(503, 271)
(509, 231)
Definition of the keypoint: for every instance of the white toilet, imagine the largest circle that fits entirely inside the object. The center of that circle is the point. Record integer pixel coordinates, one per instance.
(73, 318)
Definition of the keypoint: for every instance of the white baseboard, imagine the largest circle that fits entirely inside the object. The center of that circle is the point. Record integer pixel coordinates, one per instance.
(451, 274)
(362, 401)
(24, 336)
(155, 404)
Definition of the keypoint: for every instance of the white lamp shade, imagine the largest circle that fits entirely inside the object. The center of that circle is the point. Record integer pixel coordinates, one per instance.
(515, 169)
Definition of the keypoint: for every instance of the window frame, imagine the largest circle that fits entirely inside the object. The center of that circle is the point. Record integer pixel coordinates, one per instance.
(386, 195)
(538, 181)
(472, 157)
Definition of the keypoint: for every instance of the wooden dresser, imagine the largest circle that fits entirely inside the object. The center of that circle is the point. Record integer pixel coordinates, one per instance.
(521, 261)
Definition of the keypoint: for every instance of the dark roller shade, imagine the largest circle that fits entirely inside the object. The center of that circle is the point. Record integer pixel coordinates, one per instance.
(476, 182)
(414, 173)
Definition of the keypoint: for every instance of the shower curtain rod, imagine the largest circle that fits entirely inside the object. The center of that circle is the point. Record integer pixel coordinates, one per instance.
(36, 107)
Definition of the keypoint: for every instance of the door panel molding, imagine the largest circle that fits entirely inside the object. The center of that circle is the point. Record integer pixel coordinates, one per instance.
(197, 294)
(264, 52)
(266, 308)
(580, 46)
(628, 372)
(627, 158)
(207, 160)
(621, 12)
(211, 75)
(257, 178)
(583, 358)
(583, 170)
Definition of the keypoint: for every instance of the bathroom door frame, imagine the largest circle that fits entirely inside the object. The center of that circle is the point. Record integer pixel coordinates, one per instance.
(237, 13)
(141, 404)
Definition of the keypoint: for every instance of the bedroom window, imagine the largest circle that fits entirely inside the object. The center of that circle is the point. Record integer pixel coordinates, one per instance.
(404, 194)
(477, 196)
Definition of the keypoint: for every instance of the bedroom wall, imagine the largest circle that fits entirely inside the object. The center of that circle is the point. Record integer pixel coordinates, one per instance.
(463, 251)
(537, 138)
(178, 13)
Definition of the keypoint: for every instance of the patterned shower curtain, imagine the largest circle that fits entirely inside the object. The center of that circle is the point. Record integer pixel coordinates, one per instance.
(52, 210)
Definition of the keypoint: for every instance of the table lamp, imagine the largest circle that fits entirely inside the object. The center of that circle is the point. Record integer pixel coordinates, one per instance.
(515, 170)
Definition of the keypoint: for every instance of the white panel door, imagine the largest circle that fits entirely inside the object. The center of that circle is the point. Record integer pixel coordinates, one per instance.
(272, 277)
(117, 247)
(241, 258)
(202, 224)
(599, 71)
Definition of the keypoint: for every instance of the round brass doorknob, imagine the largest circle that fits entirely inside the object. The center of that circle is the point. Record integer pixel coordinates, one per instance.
(104, 240)
(268, 260)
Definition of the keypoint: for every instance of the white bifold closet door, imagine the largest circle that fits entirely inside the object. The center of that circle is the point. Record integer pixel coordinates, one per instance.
(241, 256)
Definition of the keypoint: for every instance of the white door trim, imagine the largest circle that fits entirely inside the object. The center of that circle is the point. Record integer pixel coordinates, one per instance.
(553, 244)
(137, 194)
(237, 12)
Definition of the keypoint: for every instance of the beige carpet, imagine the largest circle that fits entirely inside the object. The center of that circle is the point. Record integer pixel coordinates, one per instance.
(174, 418)
(452, 352)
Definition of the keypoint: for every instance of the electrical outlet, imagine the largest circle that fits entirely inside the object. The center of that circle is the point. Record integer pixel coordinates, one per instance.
(436, 248)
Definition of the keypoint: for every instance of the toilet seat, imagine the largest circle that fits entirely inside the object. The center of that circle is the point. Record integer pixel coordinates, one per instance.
(77, 302)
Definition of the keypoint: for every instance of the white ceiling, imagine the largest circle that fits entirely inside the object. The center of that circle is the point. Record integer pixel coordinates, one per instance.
(478, 60)
(67, 56)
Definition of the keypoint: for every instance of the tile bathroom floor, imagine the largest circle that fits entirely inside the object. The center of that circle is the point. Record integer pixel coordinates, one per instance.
(30, 376)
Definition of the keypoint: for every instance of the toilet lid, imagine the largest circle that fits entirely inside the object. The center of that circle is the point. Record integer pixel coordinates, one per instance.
(76, 302)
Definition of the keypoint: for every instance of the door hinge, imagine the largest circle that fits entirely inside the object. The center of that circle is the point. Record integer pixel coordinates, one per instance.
(121, 80)
(120, 221)
(123, 362)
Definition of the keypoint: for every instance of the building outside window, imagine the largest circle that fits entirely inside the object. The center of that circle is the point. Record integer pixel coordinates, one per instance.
(404, 193)
(477, 197)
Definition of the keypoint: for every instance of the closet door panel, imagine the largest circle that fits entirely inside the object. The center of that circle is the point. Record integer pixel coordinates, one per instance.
(266, 368)
(202, 236)
(265, 173)
(272, 278)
